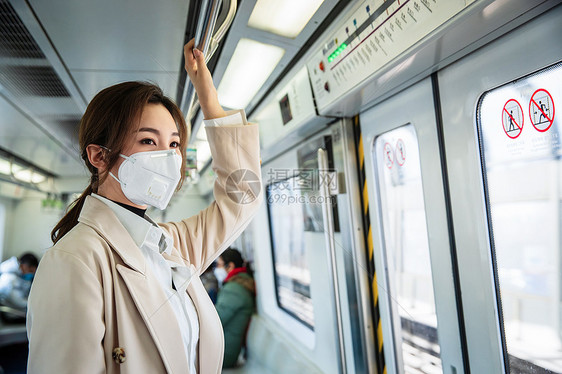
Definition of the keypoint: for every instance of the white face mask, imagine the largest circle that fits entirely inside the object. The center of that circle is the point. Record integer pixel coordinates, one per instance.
(221, 274)
(150, 178)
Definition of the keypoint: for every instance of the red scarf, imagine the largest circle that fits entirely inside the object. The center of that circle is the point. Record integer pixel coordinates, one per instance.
(233, 272)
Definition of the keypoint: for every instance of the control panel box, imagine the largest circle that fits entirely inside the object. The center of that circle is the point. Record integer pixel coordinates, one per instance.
(286, 109)
(374, 34)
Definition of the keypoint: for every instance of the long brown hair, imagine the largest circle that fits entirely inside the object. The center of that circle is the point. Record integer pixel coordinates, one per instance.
(110, 119)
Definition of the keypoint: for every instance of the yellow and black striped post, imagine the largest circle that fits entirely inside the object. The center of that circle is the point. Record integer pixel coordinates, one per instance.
(368, 236)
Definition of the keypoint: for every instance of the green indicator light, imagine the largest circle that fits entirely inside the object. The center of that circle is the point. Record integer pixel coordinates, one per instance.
(337, 52)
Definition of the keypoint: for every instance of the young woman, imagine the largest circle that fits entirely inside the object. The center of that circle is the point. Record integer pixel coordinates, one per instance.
(118, 293)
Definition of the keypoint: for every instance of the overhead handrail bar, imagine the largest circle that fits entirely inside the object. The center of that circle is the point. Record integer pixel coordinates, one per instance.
(221, 32)
(208, 13)
(207, 43)
(214, 44)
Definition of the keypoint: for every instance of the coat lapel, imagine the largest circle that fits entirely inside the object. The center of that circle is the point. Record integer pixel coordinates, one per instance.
(144, 288)
(96, 214)
(158, 316)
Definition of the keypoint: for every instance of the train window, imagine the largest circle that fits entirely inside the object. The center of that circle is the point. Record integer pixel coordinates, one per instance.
(406, 250)
(288, 224)
(519, 136)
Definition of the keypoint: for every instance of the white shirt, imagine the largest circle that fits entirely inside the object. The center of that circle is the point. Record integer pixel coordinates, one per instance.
(173, 277)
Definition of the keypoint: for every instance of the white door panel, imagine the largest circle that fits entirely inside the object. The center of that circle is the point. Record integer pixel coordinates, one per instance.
(410, 233)
(529, 48)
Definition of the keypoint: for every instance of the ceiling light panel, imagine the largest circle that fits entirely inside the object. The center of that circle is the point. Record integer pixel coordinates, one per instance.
(291, 16)
(5, 167)
(251, 64)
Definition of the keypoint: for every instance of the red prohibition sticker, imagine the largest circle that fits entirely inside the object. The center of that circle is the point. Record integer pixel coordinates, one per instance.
(400, 152)
(541, 110)
(512, 118)
(388, 155)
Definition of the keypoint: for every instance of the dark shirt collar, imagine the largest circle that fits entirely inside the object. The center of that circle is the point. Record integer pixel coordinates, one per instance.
(138, 211)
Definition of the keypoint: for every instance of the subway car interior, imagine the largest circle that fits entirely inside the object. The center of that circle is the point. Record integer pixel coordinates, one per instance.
(401, 229)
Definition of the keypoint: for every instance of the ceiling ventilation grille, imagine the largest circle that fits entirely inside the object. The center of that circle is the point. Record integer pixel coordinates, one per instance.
(15, 40)
(18, 74)
(32, 81)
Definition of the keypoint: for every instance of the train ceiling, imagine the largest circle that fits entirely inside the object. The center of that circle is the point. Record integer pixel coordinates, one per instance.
(56, 55)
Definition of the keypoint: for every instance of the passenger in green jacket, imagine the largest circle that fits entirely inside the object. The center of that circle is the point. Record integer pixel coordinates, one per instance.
(235, 303)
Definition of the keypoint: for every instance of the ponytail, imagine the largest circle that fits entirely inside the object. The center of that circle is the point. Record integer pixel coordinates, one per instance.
(70, 219)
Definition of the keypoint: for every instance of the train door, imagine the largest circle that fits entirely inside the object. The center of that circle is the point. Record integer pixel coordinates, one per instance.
(501, 120)
(414, 269)
(314, 292)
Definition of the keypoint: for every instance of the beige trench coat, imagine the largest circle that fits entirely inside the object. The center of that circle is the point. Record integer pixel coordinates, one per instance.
(93, 291)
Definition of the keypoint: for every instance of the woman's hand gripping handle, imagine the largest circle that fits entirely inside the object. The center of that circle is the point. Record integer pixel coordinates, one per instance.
(202, 80)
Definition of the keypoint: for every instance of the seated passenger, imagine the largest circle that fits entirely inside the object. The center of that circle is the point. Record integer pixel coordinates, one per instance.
(28, 266)
(15, 280)
(235, 303)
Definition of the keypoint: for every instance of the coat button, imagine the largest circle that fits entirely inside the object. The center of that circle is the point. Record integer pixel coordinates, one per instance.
(119, 355)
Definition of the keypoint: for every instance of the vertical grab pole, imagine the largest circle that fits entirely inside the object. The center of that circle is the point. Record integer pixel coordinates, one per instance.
(328, 216)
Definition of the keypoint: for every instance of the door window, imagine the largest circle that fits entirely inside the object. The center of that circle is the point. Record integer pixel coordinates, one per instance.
(406, 250)
(519, 132)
